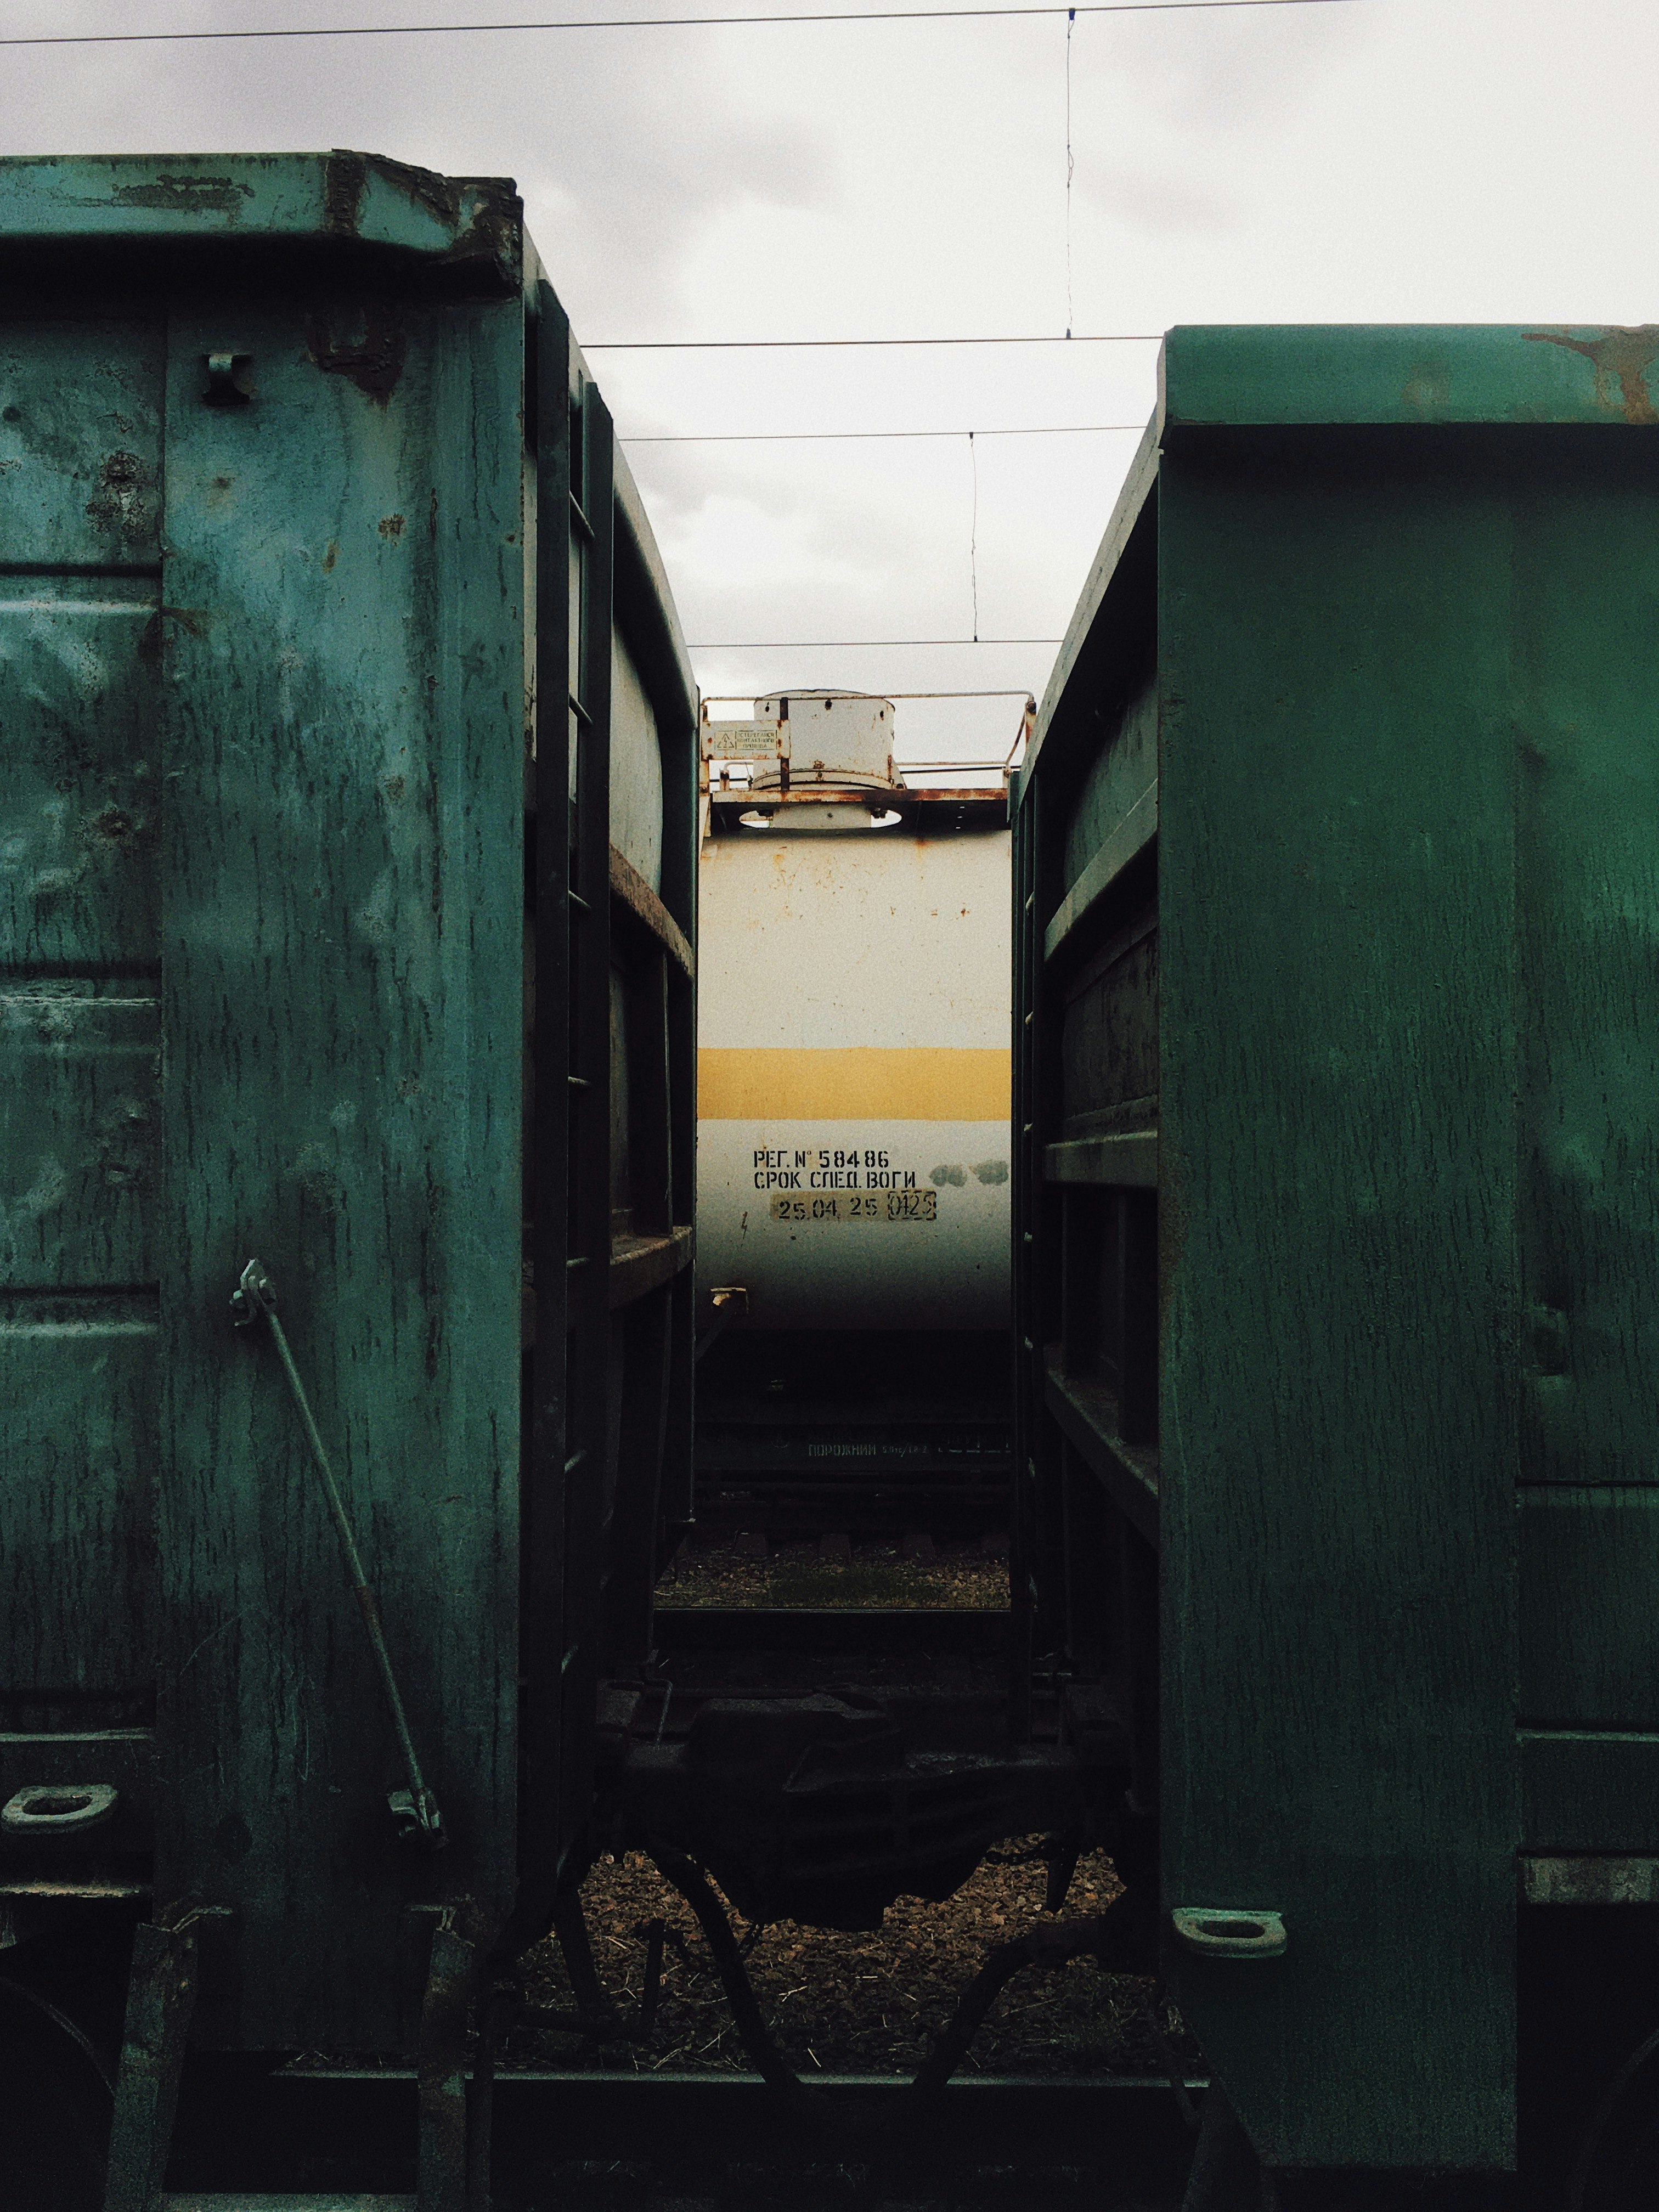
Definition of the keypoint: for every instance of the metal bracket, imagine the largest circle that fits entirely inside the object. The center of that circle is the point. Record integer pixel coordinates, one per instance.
(161, 1998)
(48, 1808)
(441, 2163)
(254, 1295)
(1222, 1932)
(731, 1303)
(227, 379)
(415, 1809)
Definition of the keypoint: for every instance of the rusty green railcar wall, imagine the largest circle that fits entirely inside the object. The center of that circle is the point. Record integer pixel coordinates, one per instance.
(1338, 857)
(282, 441)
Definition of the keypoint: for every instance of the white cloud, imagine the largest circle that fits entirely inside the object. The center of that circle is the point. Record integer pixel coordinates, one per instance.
(1387, 160)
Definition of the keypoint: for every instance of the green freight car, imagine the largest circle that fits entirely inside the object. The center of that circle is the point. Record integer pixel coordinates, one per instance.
(347, 751)
(1337, 1237)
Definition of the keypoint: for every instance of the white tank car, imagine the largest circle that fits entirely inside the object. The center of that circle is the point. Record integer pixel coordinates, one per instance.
(854, 1032)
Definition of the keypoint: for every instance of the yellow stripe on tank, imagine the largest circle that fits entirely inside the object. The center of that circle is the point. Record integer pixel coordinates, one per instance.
(860, 1083)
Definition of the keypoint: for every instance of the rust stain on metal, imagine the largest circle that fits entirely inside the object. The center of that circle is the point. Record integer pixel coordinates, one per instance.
(392, 526)
(122, 503)
(1620, 356)
(318, 1182)
(439, 196)
(111, 827)
(495, 233)
(1590, 1880)
(493, 230)
(1428, 388)
(374, 363)
(185, 195)
(630, 890)
(344, 176)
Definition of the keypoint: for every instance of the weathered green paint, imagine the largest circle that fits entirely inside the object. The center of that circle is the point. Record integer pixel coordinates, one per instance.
(1409, 376)
(1590, 1790)
(1395, 1032)
(80, 1043)
(254, 199)
(79, 1381)
(270, 678)
(1586, 586)
(1337, 1170)
(342, 1005)
(1590, 1642)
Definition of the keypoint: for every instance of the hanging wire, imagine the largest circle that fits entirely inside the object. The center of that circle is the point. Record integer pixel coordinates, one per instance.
(973, 533)
(810, 437)
(627, 22)
(736, 698)
(797, 345)
(826, 644)
(1071, 165)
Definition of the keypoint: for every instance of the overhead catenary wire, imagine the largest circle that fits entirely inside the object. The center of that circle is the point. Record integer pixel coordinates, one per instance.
(973, 536)
(812, 645)
(838, 644)
(1071, 165)
(221, 37)
(784, 345)
(1021, 691)
(807, 437)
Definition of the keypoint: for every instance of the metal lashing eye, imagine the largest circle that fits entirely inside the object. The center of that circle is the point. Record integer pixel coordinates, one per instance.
(227, 378)
(1224, 1933)
(58, 1808)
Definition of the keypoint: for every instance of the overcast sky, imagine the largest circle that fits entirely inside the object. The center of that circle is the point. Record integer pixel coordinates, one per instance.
(1420, 161)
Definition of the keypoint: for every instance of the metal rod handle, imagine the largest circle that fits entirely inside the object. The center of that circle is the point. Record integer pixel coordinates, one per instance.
(255, 1295)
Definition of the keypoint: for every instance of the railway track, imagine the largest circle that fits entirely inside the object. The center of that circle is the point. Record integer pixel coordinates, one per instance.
(977, 1632)
(592, 2141)
(850, 1436)
(781, 1504)
(809, 1473)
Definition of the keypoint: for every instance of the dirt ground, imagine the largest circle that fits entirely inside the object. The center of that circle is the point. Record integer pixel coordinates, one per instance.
(795, 1574)
(864, 2003)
